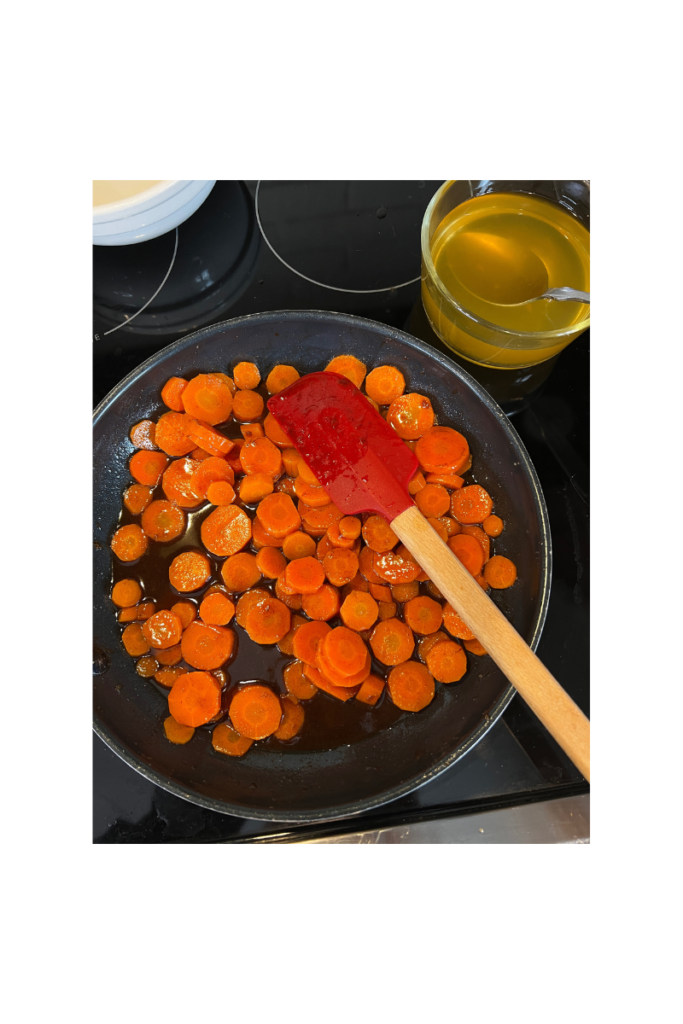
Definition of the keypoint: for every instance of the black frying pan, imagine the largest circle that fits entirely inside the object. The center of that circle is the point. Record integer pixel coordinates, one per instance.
(287, 782)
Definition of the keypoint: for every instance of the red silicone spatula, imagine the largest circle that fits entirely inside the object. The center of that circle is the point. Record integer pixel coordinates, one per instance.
(365, 467)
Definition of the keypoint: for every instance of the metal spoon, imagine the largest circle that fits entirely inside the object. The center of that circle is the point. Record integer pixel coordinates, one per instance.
(560, 295)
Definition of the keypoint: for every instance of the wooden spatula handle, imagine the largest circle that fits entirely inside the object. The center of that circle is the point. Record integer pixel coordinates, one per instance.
(544, 695)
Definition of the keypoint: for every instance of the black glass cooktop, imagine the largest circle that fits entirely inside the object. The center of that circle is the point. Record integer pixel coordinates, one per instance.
(360, 236)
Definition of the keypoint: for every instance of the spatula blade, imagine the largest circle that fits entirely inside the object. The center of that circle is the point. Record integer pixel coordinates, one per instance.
(358, 458)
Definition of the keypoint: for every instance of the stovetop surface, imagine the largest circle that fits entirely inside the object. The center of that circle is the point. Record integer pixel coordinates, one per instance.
(338, 231)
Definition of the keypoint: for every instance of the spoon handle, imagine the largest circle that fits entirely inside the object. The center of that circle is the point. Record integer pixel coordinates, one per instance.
(567, 295)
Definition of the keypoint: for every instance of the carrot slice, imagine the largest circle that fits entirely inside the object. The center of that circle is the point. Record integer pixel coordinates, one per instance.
(366, 564)
(198, 454)
(144, 610)
(208, 398)
(324, 547)
(220, 493)
(168, 676)
(185, 611)
(169, 655)
(305, 575)
(129, 543)
(171, 393)
(177, 483)
(314, 497)
(296, 682)
(136, 498)
(216, 610)
(416, 483)
(350, 527)
(247, 601)
(280, 377)
(163, 629)
(268, 621)
(254, 487)
(327, 669)
(293, 601)
(171, 434)
(441, 450)
(292, 720)
(240, 572)
(233, 456)
(261, 456)
(471, 504)
(447, 661)
(306, 640)
(344, 650)
(475, 647)
(286, 645)
(438, 528)
(394, 568)
(359, 611)
(378, 535)
(452, 528)
(126, 593)
(493, 526)
(423, 615)
(147, 467)
(247, 406)
(387, 610)
(298, 545)
(142, 435)
(208, 438)
(410, 416)
(337, 540)
(316, 677)
(380, 592)
(207, 647)
(478, 534)
(195, 698)
(177, 733)
(278, 515)
(320, 518)
(349, 367)
(340, 565)
(129, 614)
(189, 571)
(255, 712)
(425, 643)
(403, 592)
(384, 384)
(455, 625)
(291, 460)
(392, 642)
(271, 562)
(469, 551)
(285, 485)
(433, 500)
(250, 431)
(323, 604)
(246, 376)
(226, 741)
(307, 474)
(371, 690)
(275, 433)
(499, 572)
(226, 530)
(163, 521)
(449, 480)
(134, 640)
(411, 686)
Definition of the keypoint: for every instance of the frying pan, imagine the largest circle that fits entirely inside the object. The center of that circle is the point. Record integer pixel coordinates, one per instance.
(286, 782)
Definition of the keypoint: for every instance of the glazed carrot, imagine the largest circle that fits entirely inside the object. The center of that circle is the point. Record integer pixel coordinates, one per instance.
(298, 545)
(146, 467)
(247, 601)
(306, 640)
(323, 604)
(169, 655)
(268, 621)
(433, 500)
(337, 540)
(349, 367)
(493, 526)
(378, 535)
(425, 643)
(471, 504)
(481, 580)
(261, 456)
(129, 543)
(328, 670)
(171, 393)
(228, 381)
(280, 377)
(392, 642)
(189, 571)
(321, 683)
(286, 486)
(286, 645)
(387, 610)
(291, 460)
(255, 712)
(416, 483)
(292, 720)
(450, 524)
(447, 661)
(296, 683)
(142, 435)
(136, 498)
(441, 450)
(233, 456)
(366, 564)
(128, 614)
(359, 611)
(305, 575)
(278, 515)
(371, 690)
(380, 592)
(403, 592)
(147, 666)
(411, 686)
(220, 493)
(198, 454)
(293, 601)
(324, 547)
(171, 434)
(320, 518)
(271, 562)
(469, 551)
(226, 530)
(208, 438)
(134, 640)
(314, 497)
(275, 433)
(449, 480)
(137, 613)
(163, 521)
(250, 431)
(177, 733)
(434, 590)
(206, 647)
(475, 647)
(177, 483)
(394, 568)
(410, 416)
(340, 566)
(185, 611)
(423, 615)
(350, 526)
(126, 593)
(307, 475)
(246, 376)
(208, 398)
(483, 538)
(384, 384)
(168, 676)
(439, 528)
(357, 583)
(240, 572)
(455, 625)
(500, 573)
(254, 487)
(216, 610)
(163, 629)
(195, 698)
(247, 406)
(225, 740)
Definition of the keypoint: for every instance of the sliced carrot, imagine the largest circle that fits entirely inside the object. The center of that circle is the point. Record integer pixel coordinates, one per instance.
(471, 504)
(291, 460)
(163, 629)
(394, 568)
(286, 485)
(433, 500)
(439, 528)
(449, 480)
(163, 521)
(207, 647)
(416, 483)
(171, 393)
(392, 642)
(278, 515)
(240, 572)
(247, 406)
(260, 537)
(292, 720)
(169, 655)
(425, 643)
(296, 682)
(271, 562)
(447, 661)
(499, 572)
(340, 565)
(330, 672)
(305, 575)
(434, 590)
(147, 666)
(455, 625)
(280, 377)
(493, 526)
(357, 583)
(129, 543)
(286, 645)
(387, 610)
(275, 433)
(226, 530)
(177, 733)
(220, 493)
(469, 551)
(366, 563)
(198, 454)
(167, 676)
(411, 416)
(208, 438)
(129, 614)
(324, 547)
(441, 450)
(250, 431)
(142, 435)
(228, 381)
(481, 580)
(359, 611)
(208, 398)
(306, 640)
(177, 483)
(195, 698)
(254, 487)
(189, 571)
(247, 601)
(134, 640)
(450, 524)
(378, 535)
(474, 647)
(298, 545)
(411, 686)
(255, 712)
(403, 592)
(246, 376)
(171, 434)
(261, 456)
(144, 610)
(316, 677)
(323, 604)
(384, 384)
(320, 517)
(350, 527)
(371, 690)
(216, 610)
(380, 592)
(233, 456)
(307, 474)
(136, 498)
(225, 740)
(314, 497)
(483, 538)
(268, 621)
(293, 601)
(349, 367)
(186, 612)
(146, 467)
(126, 593)
(423, 615)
